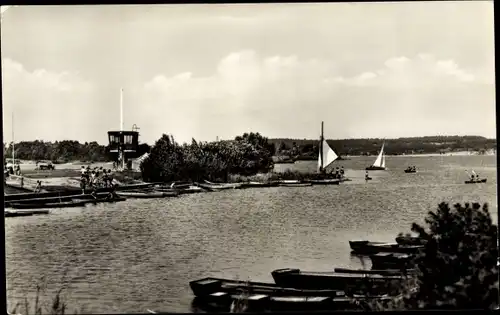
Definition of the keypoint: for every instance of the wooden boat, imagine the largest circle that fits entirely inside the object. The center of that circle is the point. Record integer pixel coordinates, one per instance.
(410, 240)
(8, 213)
(326, 157)
(392, 261)
(63, 204)
(387, 272)
(367, 247)
(218, 186)
(74, 192)
(325, 181)
(209, 285)
(265, 296)
(476, 181)
(348, 282)
(293, 183)
(379, 164)
(258, 184)
(410, 171)
(144, 195)
(103, 200)
(368, 178)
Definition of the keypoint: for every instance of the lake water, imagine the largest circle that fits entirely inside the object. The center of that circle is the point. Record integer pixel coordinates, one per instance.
(141, 254)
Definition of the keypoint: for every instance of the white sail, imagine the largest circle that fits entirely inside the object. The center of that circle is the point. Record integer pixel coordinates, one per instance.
(380, 161)
(329, 156)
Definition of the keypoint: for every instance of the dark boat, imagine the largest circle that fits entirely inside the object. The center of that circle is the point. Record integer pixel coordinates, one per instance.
(368, 178)
(392, 261)
(410, 240)
(64, 204)
(324, 181)
(386, 272)
(103, 200)
(410, 171)
(214, 292)
(8, 213)
(209, 285)
(367, 247)
(218, 186)
(476, 181)
(146, 195)
(348, 282)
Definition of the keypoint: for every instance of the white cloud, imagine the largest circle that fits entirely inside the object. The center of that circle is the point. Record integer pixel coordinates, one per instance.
(248, 92)
(46, 105)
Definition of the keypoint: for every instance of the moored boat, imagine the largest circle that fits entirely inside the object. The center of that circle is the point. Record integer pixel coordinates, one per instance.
(223, 293)
(48, 205)
(349, 282)
(379, 164)
(294, 183)
(476, 181)
(10, 213)
(209, 285)
(258, 184)
(388, 272)
(367, 247)
(218, 186)
(325, 181)
(145, 195)
(410, 240)
(392, 261)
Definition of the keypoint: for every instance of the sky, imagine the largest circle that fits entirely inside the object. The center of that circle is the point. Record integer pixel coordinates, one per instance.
(198, 71)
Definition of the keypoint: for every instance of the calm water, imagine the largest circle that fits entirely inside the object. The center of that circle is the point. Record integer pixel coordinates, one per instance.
(140, 254)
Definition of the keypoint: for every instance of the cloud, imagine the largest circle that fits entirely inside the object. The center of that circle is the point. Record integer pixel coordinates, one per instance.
(46, 104)
(248, 92)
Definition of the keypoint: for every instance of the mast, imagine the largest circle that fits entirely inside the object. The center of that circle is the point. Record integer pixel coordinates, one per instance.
(13, 151)
(121, 127)
(321, 148)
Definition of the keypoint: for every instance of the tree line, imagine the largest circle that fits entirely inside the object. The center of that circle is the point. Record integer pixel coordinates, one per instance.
(65, 151)
(432, 144)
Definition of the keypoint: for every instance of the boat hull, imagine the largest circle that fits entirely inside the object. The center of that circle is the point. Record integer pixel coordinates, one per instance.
(367, 247)
(218, 187)
(294, 183)
(410, 240)
(8, 213)
(325, 181)
(350, 283)
(66, 204)
(476, 181)
(407, 171)
(392, 261)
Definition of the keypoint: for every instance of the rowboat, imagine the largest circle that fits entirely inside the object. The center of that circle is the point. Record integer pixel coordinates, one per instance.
(215, 292)
(102, 200)
(258, 184)
(218, 186)
(410, 240)
(410, 171)
(325, 181)
(379, 164)
(367, 247)
(330, 280)
(392, 261)
(8, 213)
(64, 204)
(157, 194)
(209, 285)
(476, 181)
(387, 272)
(294, 183)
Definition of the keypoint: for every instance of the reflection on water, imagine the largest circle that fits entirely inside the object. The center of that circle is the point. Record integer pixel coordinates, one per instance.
(141, 254)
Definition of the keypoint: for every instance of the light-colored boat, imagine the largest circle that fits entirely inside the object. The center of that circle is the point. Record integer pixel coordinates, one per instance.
(154, 194)
(379, 164)
(294, 183)
(218, 186)
(326, 157)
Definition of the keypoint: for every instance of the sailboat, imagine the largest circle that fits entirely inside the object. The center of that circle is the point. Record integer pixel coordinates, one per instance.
(379, 164)
(325, 158)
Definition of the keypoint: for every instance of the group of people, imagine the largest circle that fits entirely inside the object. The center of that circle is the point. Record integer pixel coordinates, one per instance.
(411, 168)
(12, 170)
(474, 176)
(97, 177)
